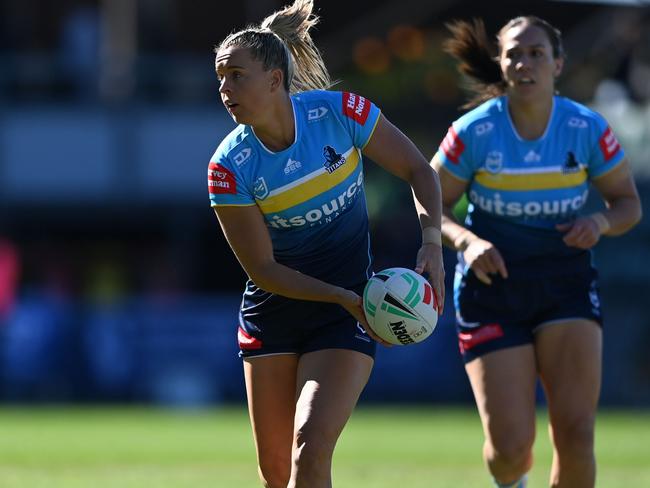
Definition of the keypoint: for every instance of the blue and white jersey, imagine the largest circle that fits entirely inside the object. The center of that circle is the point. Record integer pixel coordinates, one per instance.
(520, 189)
(311, 194)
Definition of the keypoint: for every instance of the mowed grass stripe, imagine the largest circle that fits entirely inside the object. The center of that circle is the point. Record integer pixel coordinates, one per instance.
(381, 448)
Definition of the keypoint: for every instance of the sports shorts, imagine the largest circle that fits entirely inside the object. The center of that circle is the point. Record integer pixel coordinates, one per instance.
(298, 327)
(508, 312)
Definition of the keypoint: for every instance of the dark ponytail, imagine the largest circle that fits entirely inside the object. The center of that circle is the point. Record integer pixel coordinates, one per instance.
(477, 60)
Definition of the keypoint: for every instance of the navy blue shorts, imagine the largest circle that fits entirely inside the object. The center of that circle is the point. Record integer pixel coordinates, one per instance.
(508, 312)
(298, 327)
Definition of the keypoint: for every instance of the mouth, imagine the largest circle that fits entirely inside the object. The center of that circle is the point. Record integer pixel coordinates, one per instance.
(230, 105)
(525, 81)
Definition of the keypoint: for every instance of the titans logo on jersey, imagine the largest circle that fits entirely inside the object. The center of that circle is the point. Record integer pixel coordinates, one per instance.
(520, 189)
(311, 194)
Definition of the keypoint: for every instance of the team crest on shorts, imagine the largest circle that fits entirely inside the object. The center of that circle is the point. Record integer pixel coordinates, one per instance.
(260, 190)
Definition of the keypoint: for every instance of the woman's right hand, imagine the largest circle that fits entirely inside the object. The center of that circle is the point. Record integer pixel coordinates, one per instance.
(484, 259)
(353, 303)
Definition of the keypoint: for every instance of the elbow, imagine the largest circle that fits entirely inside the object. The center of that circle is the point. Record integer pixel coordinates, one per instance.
(262, 277)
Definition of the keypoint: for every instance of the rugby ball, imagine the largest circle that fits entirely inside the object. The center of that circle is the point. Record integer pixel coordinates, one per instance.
(400, 306)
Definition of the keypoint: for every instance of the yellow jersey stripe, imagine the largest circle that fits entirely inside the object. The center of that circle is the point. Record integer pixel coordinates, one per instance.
(295, 195)
(539, 181)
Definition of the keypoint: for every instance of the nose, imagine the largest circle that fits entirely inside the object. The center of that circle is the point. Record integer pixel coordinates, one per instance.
(224, 86)
(522, 63)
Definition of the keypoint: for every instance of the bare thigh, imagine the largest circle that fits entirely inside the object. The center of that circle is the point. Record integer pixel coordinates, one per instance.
(329, 383)
(503, 383)
(271, 392)
(570, 362)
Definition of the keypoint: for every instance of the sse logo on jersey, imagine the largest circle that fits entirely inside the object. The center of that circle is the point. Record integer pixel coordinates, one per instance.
(220, 180)
(355, 107)
(452, 146)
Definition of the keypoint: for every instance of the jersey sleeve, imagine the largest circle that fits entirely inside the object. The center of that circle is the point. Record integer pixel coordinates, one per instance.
(454, 154)
(225, 185)
(359, 115)
(606, 153)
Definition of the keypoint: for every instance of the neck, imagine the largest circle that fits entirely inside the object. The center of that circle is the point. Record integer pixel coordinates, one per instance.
(530, 118)
(277, 131)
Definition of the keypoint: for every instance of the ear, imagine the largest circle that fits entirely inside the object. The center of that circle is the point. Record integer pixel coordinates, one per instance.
(559, 64)
(277, 79)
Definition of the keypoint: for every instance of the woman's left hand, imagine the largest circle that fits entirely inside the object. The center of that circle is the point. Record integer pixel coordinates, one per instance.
(582, 233)
(429, 261)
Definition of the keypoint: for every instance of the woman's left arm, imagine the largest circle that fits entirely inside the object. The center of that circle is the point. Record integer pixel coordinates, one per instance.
(623, 210)
(393, 151)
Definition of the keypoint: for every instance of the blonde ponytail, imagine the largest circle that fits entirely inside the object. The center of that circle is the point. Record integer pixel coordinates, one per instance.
(282, 41)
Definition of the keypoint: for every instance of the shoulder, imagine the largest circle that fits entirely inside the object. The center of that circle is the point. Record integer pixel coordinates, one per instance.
(481, 120)
(236, 147)
(575, 115)
(318, 104)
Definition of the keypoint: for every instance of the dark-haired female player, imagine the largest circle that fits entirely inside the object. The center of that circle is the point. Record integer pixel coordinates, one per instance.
(525, 291)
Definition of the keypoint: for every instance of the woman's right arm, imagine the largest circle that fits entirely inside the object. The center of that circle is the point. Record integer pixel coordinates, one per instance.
(480, 255)
(249, 238)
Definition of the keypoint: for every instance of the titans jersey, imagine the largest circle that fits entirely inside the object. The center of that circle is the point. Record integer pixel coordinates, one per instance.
(311, 194)
(520, 189)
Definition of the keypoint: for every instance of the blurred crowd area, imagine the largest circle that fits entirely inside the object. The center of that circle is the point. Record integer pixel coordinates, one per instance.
(109, 113)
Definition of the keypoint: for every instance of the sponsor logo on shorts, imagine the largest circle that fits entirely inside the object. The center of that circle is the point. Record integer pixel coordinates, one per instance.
(220, 180)
(594, 298)
(247, 342)
(479, 335)
(356, 107)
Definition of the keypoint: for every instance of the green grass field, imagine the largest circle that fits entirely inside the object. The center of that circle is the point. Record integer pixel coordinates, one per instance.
(381, 448)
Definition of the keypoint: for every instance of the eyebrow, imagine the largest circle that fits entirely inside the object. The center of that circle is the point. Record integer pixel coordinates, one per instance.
(231, 67)
(519, 46)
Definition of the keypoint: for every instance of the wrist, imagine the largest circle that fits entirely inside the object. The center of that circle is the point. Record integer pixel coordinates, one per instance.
(601, 221)
(431, 235)
(463, 240)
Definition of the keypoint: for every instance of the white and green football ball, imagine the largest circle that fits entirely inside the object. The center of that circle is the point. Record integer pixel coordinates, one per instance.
(400, 306)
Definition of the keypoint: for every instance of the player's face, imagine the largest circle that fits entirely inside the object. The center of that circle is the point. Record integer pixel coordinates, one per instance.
(527, 63)
(244, 85)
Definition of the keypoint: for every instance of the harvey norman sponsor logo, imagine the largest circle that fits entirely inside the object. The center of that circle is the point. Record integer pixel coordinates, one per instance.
(220, 180)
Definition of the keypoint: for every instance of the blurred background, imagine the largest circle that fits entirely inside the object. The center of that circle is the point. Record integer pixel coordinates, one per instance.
(116, 284)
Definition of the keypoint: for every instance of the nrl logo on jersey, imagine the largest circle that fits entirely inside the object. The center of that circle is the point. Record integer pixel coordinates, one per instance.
(317, 113)
(260, 190)
(333, 160)
(494, 161)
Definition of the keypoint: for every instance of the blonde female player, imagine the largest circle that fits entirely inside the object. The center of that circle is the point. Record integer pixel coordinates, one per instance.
(287, 188)
(525, 291)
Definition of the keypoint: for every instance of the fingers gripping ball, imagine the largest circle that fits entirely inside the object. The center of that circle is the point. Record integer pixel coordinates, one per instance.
(400, 306)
